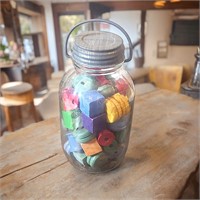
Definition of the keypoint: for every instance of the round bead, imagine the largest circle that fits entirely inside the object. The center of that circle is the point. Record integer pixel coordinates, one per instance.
(106, 138)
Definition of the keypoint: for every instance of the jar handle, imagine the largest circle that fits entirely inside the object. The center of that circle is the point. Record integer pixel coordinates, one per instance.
(108, 22)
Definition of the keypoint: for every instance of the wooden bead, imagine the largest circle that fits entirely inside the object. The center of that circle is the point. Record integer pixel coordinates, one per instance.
(102, 80)
(92, 103)
(91, 148)
(105, 138)
(73, 144)
(94, 125)
(82, 83)
(69, 99)
(111, 110)
(83, 135)
(72, 119)
(116, 107)
(121, 86)
(106, 90)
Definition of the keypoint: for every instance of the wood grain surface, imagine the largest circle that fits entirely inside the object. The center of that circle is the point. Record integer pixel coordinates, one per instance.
(162, 153)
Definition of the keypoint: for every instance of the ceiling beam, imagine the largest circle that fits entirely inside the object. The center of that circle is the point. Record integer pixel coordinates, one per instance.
(147, 5)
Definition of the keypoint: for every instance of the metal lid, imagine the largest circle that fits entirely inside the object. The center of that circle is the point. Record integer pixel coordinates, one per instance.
(98, 49)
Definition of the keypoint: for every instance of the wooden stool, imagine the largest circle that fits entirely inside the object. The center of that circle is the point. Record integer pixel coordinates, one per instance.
(16, 94)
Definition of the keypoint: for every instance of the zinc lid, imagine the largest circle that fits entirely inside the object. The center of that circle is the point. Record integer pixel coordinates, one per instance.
(98, 49)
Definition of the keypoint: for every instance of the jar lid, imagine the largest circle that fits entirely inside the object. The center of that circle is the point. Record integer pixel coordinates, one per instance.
(98, 49)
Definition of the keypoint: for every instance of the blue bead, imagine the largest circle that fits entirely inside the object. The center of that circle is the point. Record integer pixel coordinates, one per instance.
(92, 103)
(73, 144)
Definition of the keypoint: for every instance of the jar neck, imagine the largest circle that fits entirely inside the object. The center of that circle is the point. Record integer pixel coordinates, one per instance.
(106, 70)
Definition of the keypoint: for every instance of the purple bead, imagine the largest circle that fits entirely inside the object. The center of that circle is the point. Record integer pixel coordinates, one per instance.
(94, 125)
(92, 103)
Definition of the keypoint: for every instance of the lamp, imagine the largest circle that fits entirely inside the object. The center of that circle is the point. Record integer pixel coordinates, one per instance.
(174, 1)
(159, 4)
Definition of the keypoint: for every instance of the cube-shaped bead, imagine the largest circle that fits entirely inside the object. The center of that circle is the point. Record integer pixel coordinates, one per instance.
(121, 86)
(69, 99)
(82, 83)
(92, 103)
(73, 144)
(72, 119)
(94, 125)
(102, 80)
(91, 148)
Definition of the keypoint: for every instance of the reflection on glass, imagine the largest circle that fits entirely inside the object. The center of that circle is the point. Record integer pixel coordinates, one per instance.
(66, 22)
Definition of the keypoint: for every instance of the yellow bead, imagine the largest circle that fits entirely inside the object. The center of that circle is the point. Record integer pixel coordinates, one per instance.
(112, 113)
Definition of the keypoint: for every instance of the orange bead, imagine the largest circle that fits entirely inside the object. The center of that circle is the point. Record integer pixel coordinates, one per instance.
(91, 148)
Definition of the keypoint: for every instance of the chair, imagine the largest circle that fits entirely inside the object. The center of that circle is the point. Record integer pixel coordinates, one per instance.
(16, 94)
(166, 77)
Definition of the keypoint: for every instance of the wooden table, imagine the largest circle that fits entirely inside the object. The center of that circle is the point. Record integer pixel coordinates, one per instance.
(162, 153)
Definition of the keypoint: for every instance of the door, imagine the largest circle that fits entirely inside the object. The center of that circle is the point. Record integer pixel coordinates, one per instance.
(65, 17)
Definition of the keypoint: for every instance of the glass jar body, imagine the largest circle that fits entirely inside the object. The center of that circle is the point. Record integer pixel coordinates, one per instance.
(95, 117)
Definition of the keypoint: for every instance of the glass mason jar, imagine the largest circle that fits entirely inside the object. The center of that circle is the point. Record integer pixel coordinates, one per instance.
(96, 101)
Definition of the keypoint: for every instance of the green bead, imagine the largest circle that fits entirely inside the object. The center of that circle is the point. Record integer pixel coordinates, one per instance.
(83, 135)
(72, 119)
(121, 136)
(98, 160)
(106, 90)
(80, 157)
(112, 148)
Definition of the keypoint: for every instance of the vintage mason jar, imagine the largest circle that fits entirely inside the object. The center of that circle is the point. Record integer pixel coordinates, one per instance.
(96, 100)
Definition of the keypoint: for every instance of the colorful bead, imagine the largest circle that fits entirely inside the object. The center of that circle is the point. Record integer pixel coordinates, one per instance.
(72, 119)
(73, 144)
(82, 83)
(91, 148)
(92, 103)
(121, 86)
(80, 157)
(66, 147)
(69, 99)
(122, 136)
(116, 106)
(105, 138)
(102, 80)
(113, 149)
(106, 90)
(98, 161)
(94, 125)
(121, 123)
(123, 102)
(83, 135)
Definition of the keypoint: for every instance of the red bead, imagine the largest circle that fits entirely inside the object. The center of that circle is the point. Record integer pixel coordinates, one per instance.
(121, 86)
(105, 138)
(102, 80)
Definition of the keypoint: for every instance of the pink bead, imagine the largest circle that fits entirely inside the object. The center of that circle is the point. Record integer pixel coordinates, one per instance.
(102, 80)
(121, 86)
(70, 100)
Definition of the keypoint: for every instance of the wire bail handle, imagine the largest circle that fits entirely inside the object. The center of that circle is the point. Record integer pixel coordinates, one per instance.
(103, 21)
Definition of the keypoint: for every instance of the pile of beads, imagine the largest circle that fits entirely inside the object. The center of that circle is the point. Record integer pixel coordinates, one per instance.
(96, 118)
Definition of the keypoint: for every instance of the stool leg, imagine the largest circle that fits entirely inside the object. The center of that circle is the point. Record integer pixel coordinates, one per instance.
(33, 110)
(19, 112)
(8, 118)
